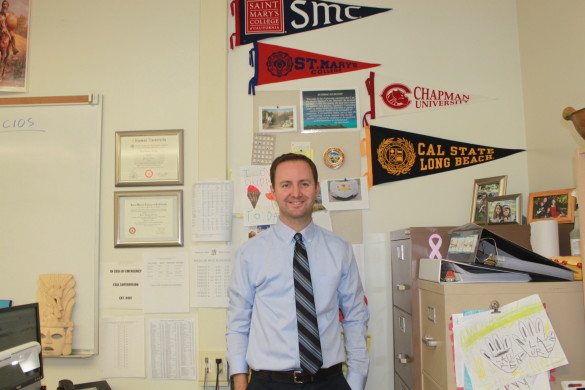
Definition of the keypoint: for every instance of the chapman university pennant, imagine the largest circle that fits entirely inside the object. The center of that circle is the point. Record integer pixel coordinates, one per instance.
(274, 64)
(395, 155)
(260, 19)
(392, 96)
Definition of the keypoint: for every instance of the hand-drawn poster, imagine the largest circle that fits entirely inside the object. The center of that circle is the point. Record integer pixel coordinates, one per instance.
(258, 205)
(14, 25)
(500, 348)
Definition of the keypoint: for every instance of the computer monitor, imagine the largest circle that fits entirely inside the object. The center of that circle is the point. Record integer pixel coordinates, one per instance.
(19, 332)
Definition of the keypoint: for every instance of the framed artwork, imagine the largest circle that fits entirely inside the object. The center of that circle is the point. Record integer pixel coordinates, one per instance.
(14, 20)
(505, 209)
(148, 218)
(558, 205)
(149, 158)
(483, 189)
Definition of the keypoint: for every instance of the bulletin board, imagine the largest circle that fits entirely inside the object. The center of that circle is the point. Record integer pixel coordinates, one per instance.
(49, 203)
(348, 223)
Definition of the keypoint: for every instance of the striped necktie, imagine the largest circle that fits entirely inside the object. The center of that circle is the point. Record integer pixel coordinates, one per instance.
(309, 342)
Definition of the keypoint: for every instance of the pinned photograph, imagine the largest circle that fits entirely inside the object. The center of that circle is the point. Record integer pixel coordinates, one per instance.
(345, 194)
(278, 119)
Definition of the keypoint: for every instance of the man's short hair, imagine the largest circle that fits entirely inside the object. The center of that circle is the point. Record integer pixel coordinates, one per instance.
(292, 157)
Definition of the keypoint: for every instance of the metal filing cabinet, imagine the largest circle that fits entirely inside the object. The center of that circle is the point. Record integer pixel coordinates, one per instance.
(564, 306)
(407, 247)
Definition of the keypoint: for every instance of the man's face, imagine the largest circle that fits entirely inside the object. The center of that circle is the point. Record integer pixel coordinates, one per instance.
(295, 192)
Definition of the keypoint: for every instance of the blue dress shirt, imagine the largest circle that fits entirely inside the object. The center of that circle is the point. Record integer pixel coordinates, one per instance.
(262, 323)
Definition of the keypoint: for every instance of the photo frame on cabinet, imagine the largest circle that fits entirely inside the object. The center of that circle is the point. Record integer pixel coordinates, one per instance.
(556, 205)
(149, 158)
(483, 189)
(506, 209)
(148, 218)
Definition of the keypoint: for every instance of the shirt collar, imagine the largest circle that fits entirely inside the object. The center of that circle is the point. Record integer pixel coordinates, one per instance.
(287, 234)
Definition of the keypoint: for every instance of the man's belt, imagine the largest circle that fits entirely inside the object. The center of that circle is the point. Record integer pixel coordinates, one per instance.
(299, 376)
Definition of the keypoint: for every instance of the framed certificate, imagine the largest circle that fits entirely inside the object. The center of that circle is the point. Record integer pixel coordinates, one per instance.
(149, 158)
(148, 218)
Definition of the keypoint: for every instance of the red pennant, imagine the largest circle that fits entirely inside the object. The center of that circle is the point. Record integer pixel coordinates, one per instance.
(274, 64)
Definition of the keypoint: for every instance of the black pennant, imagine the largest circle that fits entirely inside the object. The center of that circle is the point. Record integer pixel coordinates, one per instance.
(256, 20)
(395, 155)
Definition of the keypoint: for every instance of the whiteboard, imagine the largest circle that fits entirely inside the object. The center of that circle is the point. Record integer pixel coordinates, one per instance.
(49, 202)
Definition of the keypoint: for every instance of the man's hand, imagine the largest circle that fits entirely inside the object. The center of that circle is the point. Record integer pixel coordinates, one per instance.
(240, 381)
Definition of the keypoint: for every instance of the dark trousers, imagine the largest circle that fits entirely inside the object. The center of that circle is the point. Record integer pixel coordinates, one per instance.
(333, 382)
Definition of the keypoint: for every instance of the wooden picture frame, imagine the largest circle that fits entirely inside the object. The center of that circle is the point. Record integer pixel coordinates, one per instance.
(510, 209)
(556, 205)
(483, 189)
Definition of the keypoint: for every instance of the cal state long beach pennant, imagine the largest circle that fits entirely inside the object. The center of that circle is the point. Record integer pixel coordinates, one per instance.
(393, 96)
(274, 64)
(395, 155)
(256, 20)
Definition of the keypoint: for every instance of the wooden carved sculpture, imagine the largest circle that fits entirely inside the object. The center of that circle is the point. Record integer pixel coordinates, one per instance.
(55, 294)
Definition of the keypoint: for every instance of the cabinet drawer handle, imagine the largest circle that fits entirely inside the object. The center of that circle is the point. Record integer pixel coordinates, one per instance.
(403, 358)
(429, 341)
(402, 287)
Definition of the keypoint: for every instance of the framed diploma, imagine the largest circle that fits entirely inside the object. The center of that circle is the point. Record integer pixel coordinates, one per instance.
(149, 158)
(148, 218)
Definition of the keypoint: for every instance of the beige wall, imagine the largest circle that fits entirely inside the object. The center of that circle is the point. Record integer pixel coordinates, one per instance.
(146, 59)
(553, 76)
(155, 72)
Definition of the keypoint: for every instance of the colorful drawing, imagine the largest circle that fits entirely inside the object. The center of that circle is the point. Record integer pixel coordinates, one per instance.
(501, 348)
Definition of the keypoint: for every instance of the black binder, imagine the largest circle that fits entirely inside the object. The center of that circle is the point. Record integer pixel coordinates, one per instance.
(474, 244)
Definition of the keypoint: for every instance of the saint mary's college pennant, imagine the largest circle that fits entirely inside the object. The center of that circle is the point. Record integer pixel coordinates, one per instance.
(395, 155)
(274, 64)
(391, 96)
(260, 19)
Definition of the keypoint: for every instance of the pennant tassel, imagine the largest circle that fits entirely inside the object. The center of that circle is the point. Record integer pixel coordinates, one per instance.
(371, 90)
(253, 60)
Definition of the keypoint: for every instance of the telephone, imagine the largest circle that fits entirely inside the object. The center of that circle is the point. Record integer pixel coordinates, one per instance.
(65, 384)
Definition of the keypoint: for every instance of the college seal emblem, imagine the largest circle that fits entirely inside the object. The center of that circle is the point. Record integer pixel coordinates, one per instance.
(396, 155)
(279, 64)
(396, 96)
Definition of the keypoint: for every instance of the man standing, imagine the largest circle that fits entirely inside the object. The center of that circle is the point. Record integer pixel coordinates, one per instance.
(288, 285)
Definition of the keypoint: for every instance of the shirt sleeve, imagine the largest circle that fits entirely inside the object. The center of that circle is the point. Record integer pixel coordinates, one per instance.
(355, 324)
(239, 314)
